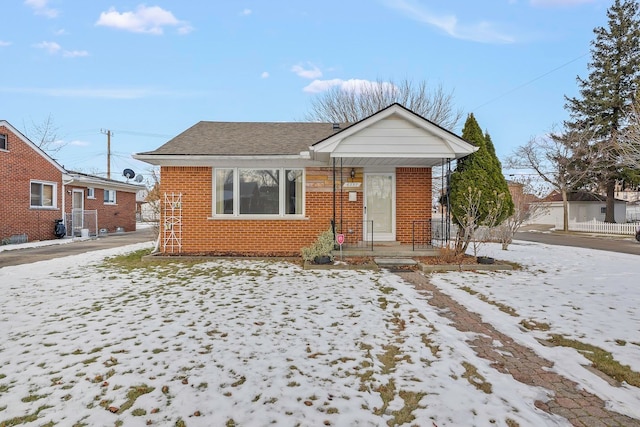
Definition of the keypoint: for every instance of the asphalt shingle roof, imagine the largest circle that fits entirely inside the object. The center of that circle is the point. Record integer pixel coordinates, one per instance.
(247, 138)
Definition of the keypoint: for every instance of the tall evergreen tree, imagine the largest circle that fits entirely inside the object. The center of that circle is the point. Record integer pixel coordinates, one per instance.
(608, 92)
(478, 177)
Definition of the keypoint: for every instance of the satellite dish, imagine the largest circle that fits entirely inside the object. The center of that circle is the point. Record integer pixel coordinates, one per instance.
(128, 173)
(139, 178)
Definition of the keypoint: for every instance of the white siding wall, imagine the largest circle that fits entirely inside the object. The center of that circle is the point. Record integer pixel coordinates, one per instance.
(392, 136)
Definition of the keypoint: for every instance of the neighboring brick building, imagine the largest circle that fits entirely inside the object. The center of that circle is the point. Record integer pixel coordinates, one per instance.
(36, 191)
(271, 188)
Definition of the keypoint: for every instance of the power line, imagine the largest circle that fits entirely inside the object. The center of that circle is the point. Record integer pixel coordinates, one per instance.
(152, 135)
(530, 81)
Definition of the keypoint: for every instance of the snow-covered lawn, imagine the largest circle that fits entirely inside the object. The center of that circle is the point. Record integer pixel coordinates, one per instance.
(254, 343)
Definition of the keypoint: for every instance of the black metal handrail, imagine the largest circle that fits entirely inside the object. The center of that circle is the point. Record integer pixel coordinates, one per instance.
(356, 233)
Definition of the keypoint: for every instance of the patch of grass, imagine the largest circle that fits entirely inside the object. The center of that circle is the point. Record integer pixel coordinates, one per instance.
(511, 423)
(139, 412)
(621, 342)
(387, 394)
(430, 345)
(239, 382)
(133, 394)
(89, 361)
(475, 379)
(601, 360)
(24, 419)
(405, 414)
(532, 325)
(33, 397)
(388, 359)
(130, 261)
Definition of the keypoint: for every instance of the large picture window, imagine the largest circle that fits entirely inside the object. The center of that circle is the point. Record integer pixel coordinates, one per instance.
(43, 194)
(245, 191)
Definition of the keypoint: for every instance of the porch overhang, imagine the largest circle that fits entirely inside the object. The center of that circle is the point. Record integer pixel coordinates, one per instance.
(82, 180)
(373, 160)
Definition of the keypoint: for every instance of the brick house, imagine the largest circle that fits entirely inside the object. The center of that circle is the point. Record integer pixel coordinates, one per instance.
(36, 191)
(270, 188)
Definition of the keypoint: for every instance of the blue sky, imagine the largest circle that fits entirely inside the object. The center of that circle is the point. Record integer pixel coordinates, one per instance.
(148, 71)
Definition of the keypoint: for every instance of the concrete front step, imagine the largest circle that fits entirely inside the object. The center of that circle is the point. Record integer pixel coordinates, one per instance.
(394, 262)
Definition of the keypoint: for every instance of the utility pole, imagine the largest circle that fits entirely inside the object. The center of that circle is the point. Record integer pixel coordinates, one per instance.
(108, 133)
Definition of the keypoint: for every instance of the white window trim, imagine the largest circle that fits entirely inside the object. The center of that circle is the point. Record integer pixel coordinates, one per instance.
(91, 193)
(54, 194)
(236, 195)
(115, 200)
(4, 138)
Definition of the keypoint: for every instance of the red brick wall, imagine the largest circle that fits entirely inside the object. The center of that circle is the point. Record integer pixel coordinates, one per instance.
(413, 200)
(285, 237)
(18, 166)
(110, 217)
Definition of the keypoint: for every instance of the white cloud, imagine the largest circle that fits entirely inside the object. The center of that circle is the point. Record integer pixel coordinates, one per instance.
(51, 47)
(246, 12)
(351, 85)
(559, 2)
(4, 43)
(150, 20)
(40, 7)
(77, 143)
(264, 75)
(75, 53)
(482, 32)
(312, 73)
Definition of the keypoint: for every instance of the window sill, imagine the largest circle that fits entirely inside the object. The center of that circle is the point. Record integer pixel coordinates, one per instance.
(44, 208)
(259, 217)
(110, 204)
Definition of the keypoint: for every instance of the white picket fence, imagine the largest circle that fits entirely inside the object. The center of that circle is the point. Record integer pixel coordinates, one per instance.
(603, 227)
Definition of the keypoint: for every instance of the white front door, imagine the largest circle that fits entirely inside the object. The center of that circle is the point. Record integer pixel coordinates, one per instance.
(380, 206)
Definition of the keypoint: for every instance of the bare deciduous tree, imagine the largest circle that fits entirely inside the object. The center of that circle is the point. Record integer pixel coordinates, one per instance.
(470, 218)
(351, 104)
(44, 135)
(565, 161)
(524, 194)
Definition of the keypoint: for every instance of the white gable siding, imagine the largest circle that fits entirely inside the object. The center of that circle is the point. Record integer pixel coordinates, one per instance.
(392, 137)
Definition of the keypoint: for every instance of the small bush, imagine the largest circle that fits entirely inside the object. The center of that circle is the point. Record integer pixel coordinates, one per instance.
(321, 247)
